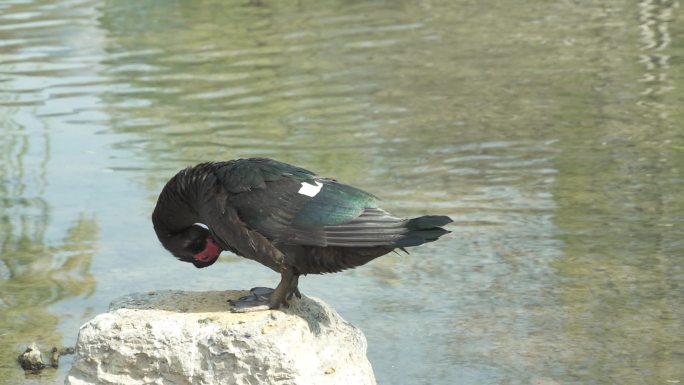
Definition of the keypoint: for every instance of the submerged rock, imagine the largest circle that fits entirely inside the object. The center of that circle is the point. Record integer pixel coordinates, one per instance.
(192, 338)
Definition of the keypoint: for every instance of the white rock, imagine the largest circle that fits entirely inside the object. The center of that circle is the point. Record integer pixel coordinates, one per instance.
(191, 338)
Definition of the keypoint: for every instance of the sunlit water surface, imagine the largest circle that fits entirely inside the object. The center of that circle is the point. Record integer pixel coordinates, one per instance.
(551, 133)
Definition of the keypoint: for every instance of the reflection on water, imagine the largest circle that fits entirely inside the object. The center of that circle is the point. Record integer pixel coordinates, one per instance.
(45, 261)
(551, 133)
(36, 276)
(654, 18)
(35, 273)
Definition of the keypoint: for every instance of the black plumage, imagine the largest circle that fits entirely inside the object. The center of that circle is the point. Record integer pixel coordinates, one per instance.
(282, 216)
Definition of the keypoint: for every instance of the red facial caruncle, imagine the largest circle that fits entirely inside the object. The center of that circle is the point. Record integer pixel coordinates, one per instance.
(210, 252)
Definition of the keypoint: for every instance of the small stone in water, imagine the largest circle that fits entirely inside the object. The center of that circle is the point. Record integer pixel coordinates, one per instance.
(54, 358)
(67, 350)
(31, 359)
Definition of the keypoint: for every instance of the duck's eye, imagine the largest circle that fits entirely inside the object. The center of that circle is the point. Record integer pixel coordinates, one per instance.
(194, 245)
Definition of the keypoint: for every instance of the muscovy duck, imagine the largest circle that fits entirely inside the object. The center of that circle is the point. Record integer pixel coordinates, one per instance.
(282, 216)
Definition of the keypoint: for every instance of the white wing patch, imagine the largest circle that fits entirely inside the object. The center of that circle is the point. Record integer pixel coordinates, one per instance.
(310, 189)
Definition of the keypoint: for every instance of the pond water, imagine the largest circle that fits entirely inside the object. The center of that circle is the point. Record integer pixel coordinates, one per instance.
(551, 133)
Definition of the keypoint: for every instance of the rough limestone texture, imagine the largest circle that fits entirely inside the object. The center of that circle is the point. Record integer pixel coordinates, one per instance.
(178, 338)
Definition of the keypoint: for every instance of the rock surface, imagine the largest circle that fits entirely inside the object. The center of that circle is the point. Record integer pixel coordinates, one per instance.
(178, 338)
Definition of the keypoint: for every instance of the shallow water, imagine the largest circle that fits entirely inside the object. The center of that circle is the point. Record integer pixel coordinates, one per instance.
(551, 133)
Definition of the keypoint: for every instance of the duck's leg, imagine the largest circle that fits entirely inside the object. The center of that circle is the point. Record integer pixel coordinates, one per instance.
(262, 298)
(294, 290)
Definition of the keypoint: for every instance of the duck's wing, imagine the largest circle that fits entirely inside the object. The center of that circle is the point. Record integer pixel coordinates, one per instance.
(290, 205)
(244, 175)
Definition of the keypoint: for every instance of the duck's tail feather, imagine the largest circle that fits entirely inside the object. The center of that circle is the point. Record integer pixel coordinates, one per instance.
(375, 227)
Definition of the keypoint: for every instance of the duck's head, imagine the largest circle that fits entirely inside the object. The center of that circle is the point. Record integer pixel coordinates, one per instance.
(195, 245)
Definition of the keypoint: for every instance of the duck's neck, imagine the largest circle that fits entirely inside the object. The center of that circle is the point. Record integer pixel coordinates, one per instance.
(181, 200)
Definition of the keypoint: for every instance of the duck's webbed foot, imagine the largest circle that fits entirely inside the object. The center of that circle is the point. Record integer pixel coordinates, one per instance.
(257, 300)
(263, 298)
